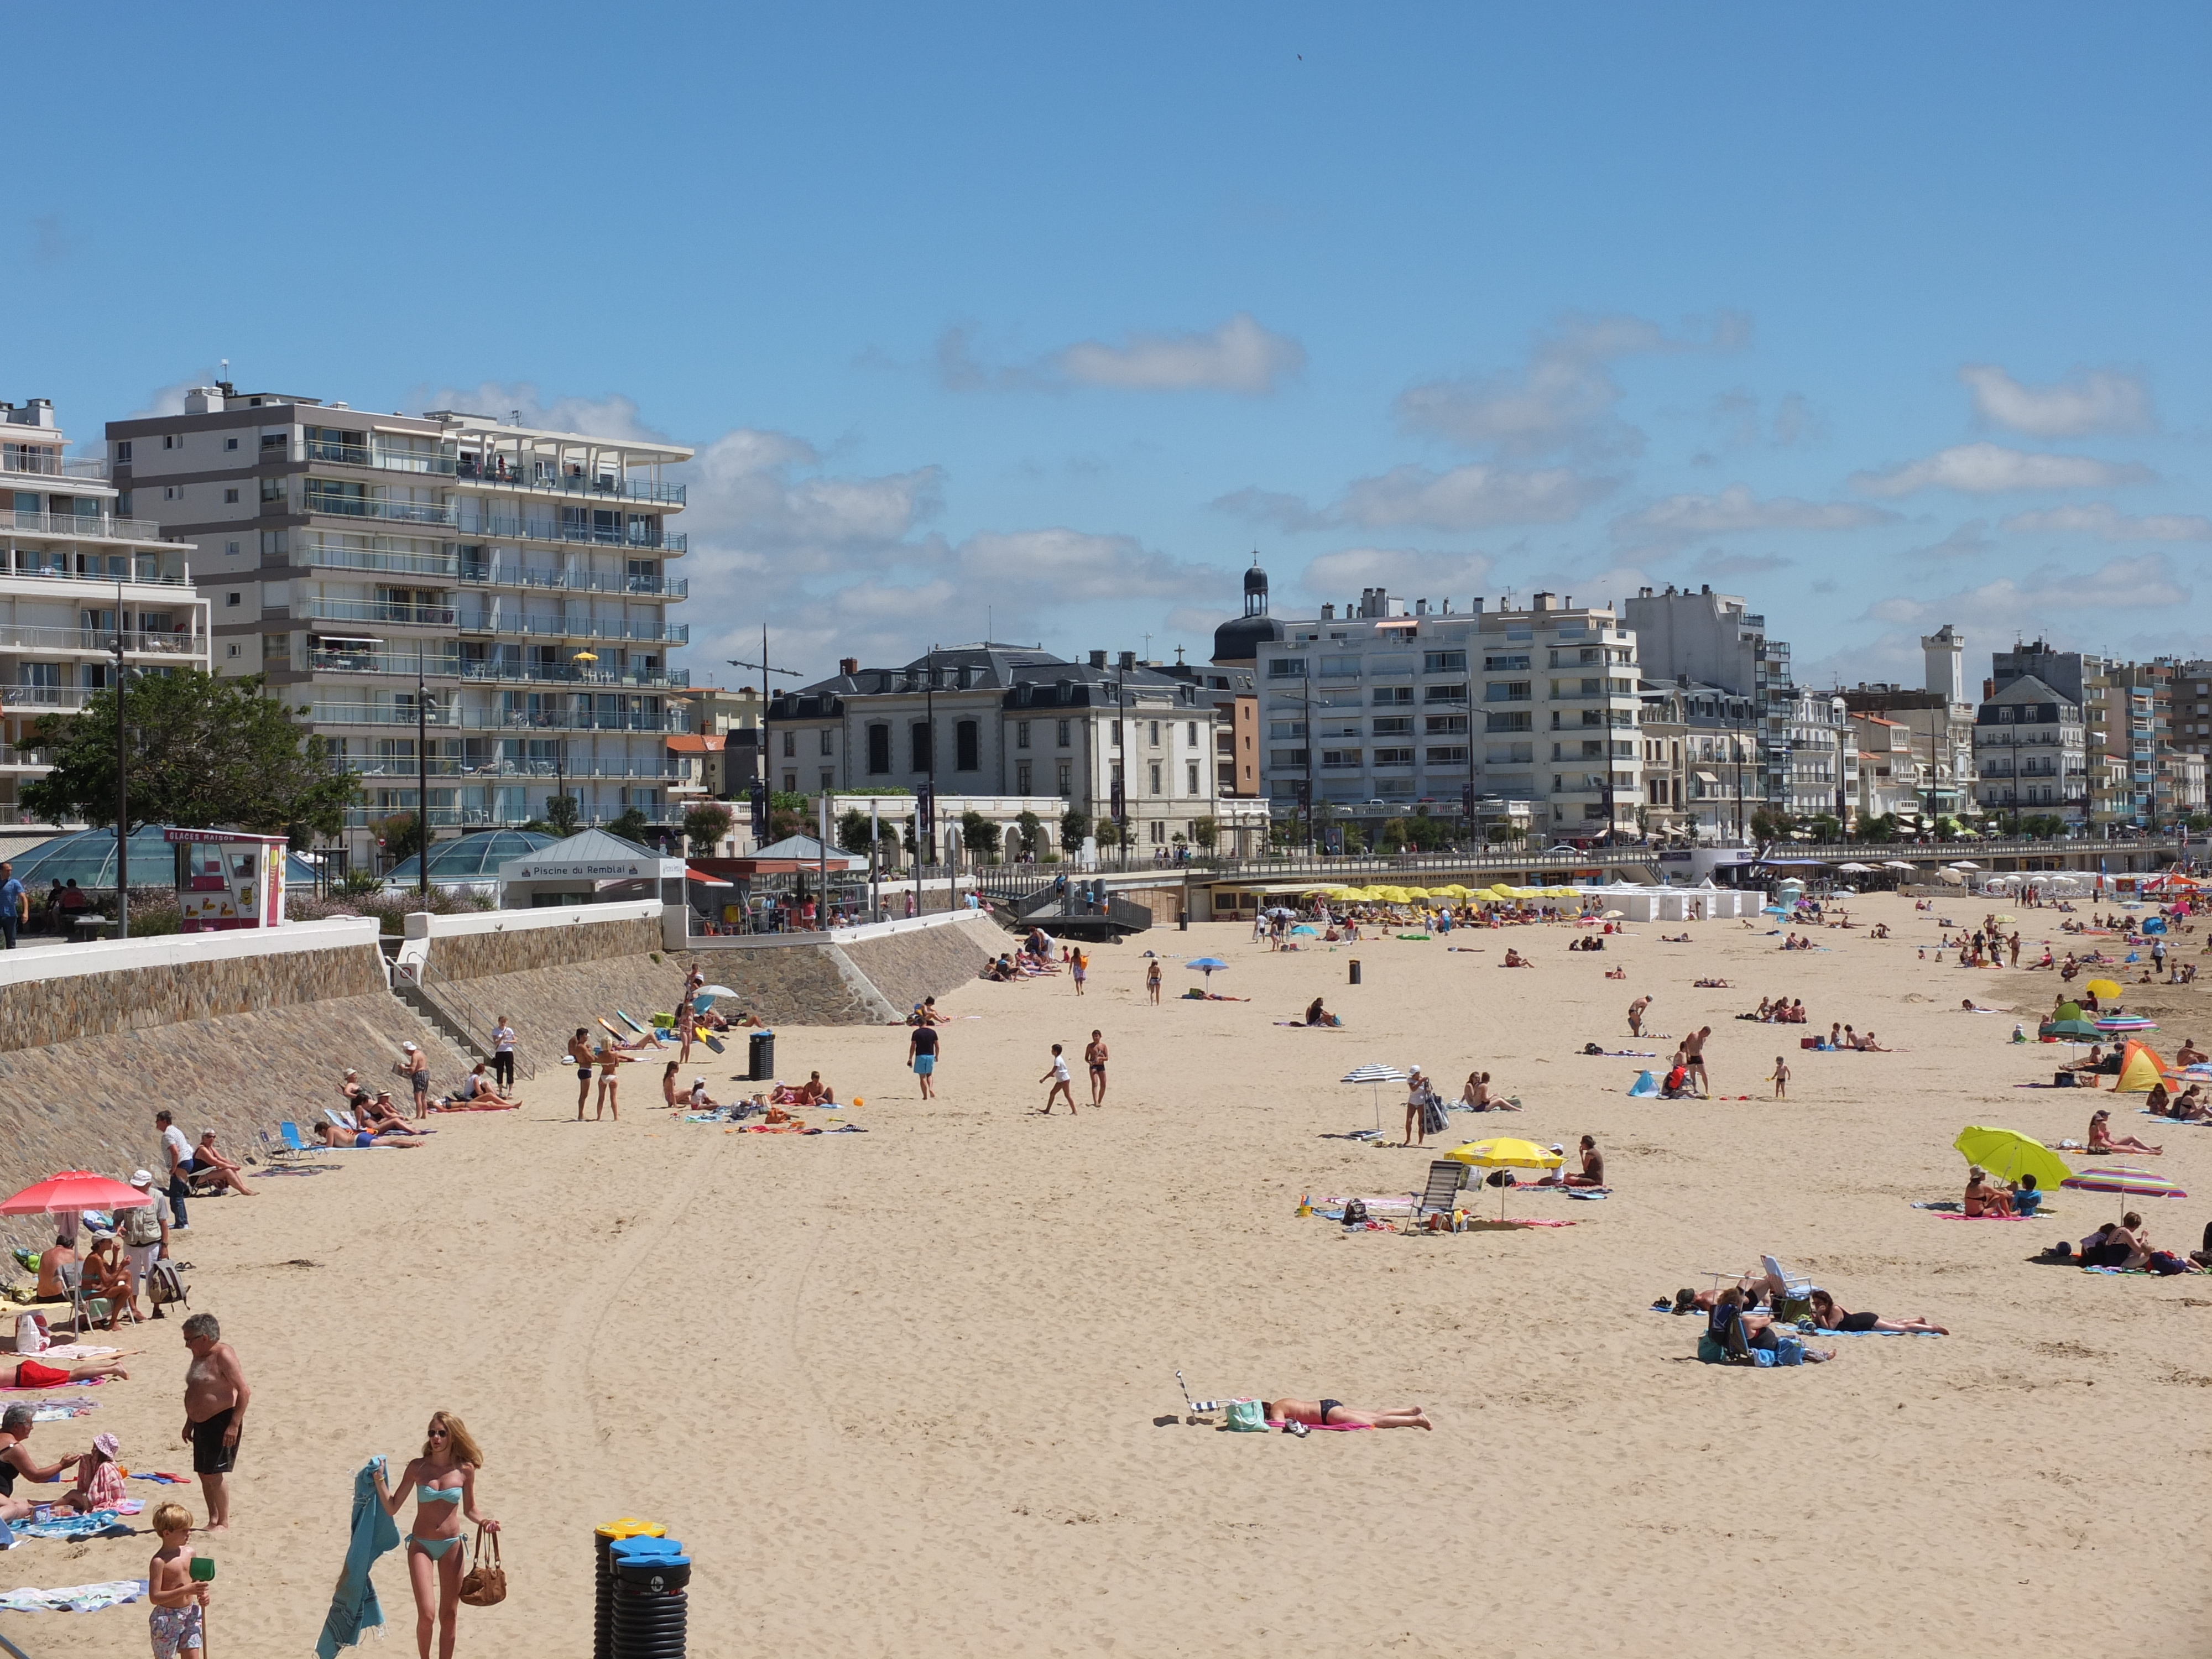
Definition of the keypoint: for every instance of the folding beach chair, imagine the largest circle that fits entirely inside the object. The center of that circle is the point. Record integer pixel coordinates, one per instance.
(84, 1308)
(1795, 1287)
(1446, 1177)
(297, 1144)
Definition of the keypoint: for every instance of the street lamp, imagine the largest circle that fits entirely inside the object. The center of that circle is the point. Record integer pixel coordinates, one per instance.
(122, 785)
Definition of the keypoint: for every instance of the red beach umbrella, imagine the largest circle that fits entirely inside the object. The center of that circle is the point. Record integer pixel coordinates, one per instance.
(75, 1189)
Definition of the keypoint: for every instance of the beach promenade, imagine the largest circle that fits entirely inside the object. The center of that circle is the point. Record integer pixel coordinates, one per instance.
(913, 1392)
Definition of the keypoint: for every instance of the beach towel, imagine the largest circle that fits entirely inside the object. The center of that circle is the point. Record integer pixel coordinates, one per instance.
(159, 1478)
(354, 1607)
(1962, 1216)
(98, 1523)
(77, 1598)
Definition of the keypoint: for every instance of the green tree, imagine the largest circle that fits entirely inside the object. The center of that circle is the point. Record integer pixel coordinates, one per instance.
(1029, 828)
(202, 752)
(979, 836)
(854, 831)
(564, 813)
(705, 823)
(1108, 832)
(631, 825)
(1074, 827)
(1391, 837)
(400, 836)
(1205, 832)
(1355, 839)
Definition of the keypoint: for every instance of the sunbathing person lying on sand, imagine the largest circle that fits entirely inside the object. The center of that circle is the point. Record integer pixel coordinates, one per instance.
(37, 1374)
(1830, 1318)
(2102, 1139)
(1335, 1414)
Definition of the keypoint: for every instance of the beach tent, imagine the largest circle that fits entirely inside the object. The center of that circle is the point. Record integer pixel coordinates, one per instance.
(1643, 1088)
(2141, 1070)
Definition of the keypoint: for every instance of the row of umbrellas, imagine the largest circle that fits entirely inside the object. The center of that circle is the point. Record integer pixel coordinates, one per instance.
(1500, 894)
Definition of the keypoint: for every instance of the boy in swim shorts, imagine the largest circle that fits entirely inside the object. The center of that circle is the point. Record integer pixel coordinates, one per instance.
(176, 1616)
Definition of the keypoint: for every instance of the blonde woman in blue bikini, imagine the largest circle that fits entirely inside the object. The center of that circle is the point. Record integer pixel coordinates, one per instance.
(443, 1480)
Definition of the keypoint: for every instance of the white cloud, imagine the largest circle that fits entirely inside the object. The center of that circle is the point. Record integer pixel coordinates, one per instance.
(2108, 524)
(761, 497)
(1239, 356)
(1968, 540)
(611, 416)
(1402, 570)
(1040, 569)
(1472, 497)
(1991, 469)
(1677, 519)
(1563, 399)
(2049, 594)
(2088, 400)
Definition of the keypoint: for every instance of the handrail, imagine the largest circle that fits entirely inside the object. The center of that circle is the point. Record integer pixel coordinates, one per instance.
(469, 1019)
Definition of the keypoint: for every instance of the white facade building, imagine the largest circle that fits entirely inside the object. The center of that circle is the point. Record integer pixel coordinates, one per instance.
(2031, 754)
(520, 577)
(1823, 776)
(1386, 709)
(76, 573)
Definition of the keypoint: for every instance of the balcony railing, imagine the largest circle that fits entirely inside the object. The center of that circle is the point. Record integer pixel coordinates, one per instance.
(577, 628)
(663, 815)
(443, 714)
(605, 485)
(397, 766)
(372, 506)
(12, 758)
(387, 460)
(15, 637)
(43, 697)
(450, 667)
(104, 582)
(38, 463)
(490, 575)
(554, 530)
(364, 558)
(83, 526)
(375, 611)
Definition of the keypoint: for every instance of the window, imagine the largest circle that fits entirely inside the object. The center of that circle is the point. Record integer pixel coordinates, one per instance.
(1286, 728)
(1190, 777)
(1159, 831)
(273, 441)
(123, 452)
(1443, 662)
(1022, 737)
(277, 648)
(828, 748)
(232, 652)
(1063, 738)
(1444, 724)
(829, 782)
(967, 747)
(1156, 734)
(230, 443)
(1286, 668)
(231, 548)
(1066, 777)
(1156, 778)
(1399, 726)
(791, 783)
(879, 750)
(1455, 755)
(1445, 693)
(1340, 668)
(230, 497)
(1021, 777)
(169, 441)
(920, 751)
(1393, 757)
(1506, 665)
(1508, 692)
(1190, 734)
(790, 744)
(1511, 722)
(272, 489)
(168, 492)
(1392, 696)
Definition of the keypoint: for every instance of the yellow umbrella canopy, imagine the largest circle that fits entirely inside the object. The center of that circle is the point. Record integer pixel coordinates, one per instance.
(1505, 1153)
(2008, 1155)
(2102, 989)
(1455, 890)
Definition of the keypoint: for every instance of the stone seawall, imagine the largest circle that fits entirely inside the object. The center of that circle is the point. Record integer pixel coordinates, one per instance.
(88, 1104)
(927, 962)
(34, 1013)
(481, 955)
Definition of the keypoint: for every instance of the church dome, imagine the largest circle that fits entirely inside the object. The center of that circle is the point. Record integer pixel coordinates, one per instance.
(1239, 639)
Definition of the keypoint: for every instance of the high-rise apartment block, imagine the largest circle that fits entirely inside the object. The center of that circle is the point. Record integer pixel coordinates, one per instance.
(1711, 639)
(1386, 707)
(516, 581)
(78, 575)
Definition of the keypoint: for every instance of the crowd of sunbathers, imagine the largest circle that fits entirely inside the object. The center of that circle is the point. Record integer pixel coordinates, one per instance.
(1033, 959)
(1750, 1322)
(2126, 1245)
(1782, 1011)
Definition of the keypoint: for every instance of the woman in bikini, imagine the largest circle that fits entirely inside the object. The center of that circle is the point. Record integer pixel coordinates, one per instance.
(1830, 1318)
(1984, 1198)
(2102, 1139)
(443, 1481)
(1335, 1414)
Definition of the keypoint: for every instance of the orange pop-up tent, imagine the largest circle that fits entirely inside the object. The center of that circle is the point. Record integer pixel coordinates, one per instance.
(2141, 1070)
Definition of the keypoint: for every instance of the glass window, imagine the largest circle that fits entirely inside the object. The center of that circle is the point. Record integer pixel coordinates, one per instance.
(967, 747)
(1063, 738)
(1286, 668)
(1022, 737)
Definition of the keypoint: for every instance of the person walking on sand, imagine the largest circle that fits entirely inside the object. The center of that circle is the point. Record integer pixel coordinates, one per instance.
(687, 1030)
(442, 1481)
(176, 1613)
(1095, 1057)
(1056, 1074)
(921, 1055)
(579, 1056)
(215, 1398)
(502, 1054)
(1781, 1078)
(1079, 968)
(1693, 1059)
(416, 1070)
(1152, 981)
(177, 1161)
(1635, 1016)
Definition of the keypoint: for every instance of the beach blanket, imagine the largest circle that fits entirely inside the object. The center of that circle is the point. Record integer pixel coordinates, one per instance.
(354, 1605)
(472, 1106)
(62, 1351)
(1620, 1054)
(77, 1598)
(60, 1411)
(159, 1478)
(1333, 1428)
(98, 1523)
(1962, 1216)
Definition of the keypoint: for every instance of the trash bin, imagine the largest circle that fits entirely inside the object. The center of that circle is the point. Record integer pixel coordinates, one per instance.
(760, 1051)
(650, 1576)
(1355, 970)
(602, 1598)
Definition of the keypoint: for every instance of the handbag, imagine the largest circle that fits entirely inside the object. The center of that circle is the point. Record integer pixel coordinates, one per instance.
(484, 1586)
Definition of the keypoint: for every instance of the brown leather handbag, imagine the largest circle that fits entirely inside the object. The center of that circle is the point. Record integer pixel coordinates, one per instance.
(484, 1586)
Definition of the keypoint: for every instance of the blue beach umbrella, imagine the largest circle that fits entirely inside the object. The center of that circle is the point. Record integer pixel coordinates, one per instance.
(1205, 965)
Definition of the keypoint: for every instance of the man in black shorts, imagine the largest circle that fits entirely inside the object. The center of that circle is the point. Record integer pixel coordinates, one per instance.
(215, 1398)
(1095, 1056)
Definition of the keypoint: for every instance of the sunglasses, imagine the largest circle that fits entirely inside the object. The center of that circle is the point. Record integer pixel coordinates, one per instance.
(438, 1434)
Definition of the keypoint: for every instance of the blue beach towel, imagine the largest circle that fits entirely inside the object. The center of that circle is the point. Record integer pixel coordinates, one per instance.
(354, 1607)
(1643, 1088)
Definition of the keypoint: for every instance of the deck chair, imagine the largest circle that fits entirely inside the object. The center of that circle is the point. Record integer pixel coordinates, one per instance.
(297, 1144)
(1796, 1287)
(1446, 1177)
(84, 1308)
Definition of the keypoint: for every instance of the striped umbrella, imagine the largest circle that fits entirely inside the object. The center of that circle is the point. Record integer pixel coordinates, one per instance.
(1376, 1076)
(2120, 1178)
(2125, 1023)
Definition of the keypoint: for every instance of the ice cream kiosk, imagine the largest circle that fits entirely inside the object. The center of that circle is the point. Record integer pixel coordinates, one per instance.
(228, 878)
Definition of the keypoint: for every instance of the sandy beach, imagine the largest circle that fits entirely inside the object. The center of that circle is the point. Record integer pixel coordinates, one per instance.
(914, 1391)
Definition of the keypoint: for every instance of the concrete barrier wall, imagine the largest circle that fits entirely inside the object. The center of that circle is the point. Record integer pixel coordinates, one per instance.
(489, 942)
(906, 965)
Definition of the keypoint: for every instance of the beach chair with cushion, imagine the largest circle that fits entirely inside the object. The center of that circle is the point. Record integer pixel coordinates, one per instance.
(1446, 1177)
(1796, 1287)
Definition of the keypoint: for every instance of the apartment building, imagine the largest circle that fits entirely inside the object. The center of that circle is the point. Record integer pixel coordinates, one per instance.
(1822, 779)
(1701, 762)
(517, 581)
(1110, 739)
(1941, 720)
(1893, 772)
(1713, 640)
(1387, 708)
(79, 574)
(2031, 754)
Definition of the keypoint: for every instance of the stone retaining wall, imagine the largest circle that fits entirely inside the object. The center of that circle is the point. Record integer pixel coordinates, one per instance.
(34, 1013)
(928, 962)
(479, 955)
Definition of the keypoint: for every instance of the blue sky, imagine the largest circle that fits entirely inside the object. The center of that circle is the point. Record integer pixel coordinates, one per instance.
(1883, 317)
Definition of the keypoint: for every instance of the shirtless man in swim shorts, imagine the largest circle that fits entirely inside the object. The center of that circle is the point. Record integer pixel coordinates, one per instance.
(1335, 1414)
(215, 1398)
(1094, 1056)
(1694, 1058)
(1635, 1016)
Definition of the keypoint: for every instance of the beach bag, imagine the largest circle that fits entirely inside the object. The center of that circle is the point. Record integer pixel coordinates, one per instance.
(484, 1586)
(1434, 1121)
(165, 1285)
(1247, 1417)
(32, 1335)
(1355, 1212)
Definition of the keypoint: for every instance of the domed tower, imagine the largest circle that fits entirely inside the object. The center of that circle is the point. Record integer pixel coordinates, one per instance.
(1238, 640)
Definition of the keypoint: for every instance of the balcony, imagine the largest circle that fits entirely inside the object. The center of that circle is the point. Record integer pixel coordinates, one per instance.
(42, 464)
(397, 766)
(82, 527)
(498, 475)
(13, 759)
(577, 628)
(99, 642)
(318, 558)
(368, 714)
(42, 699)
(386, 460)
(375, 611)
(448, 666)
(582, 720)
(488, 575)
(554, 530)
(332, 505)
(104, 584)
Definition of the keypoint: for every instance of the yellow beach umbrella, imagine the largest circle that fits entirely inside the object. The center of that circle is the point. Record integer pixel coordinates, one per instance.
(2103, 988)
(2008, 1155)
(1456, 890)
(1505, 1153)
